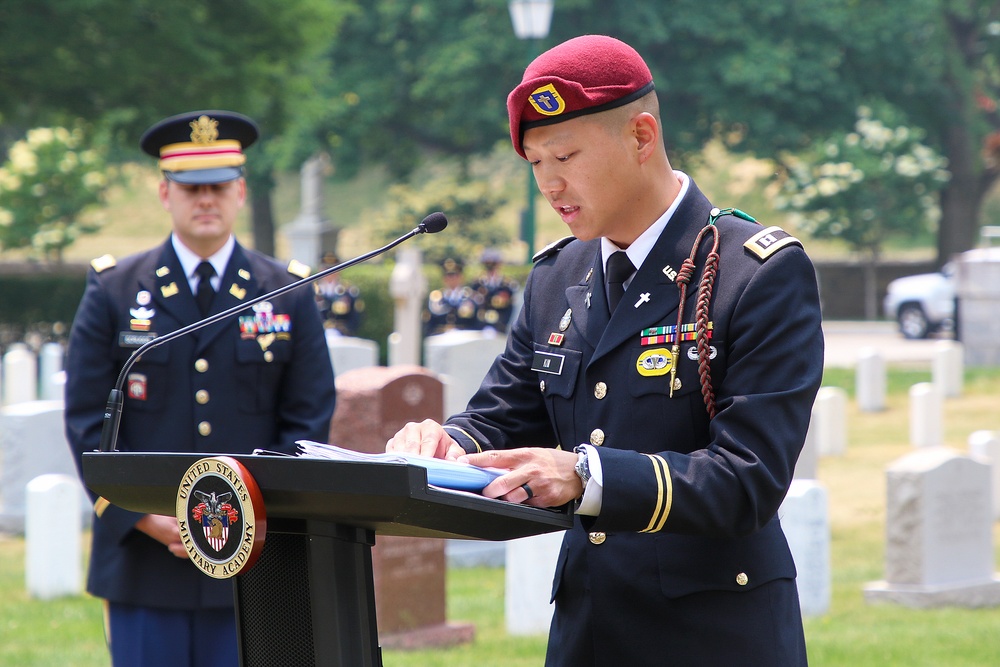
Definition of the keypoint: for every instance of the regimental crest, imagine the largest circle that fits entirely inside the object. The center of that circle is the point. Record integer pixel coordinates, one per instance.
(215, 515)
(205, 130)
(547, 100)
(220, 512)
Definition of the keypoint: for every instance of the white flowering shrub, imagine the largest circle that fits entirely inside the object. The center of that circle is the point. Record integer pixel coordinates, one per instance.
(864, 186)
(48, 185)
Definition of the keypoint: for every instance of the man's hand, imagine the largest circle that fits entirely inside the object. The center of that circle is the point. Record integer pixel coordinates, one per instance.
(427, 438)
(550, 474)
(163, 529)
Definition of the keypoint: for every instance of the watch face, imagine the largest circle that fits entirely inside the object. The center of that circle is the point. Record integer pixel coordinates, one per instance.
(583, 468)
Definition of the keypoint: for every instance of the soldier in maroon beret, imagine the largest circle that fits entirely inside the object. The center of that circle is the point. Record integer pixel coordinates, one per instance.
(660, 376)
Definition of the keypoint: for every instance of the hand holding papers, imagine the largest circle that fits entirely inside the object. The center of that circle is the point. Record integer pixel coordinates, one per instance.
(445, 474)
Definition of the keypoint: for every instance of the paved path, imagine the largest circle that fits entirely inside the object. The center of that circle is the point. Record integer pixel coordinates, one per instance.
(845, 339)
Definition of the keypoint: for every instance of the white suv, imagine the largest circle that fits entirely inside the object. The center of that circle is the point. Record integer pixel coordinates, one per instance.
(924, 303)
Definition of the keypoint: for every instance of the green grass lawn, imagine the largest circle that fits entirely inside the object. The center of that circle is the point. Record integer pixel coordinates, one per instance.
(853, 634)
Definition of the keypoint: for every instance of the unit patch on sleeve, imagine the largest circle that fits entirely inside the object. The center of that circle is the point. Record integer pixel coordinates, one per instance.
(769, 241)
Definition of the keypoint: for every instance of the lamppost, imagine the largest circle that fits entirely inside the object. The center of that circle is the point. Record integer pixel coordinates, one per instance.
(531, 19)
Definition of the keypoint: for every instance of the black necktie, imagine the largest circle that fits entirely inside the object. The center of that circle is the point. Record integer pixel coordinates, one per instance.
(205, 292)
(618, 271)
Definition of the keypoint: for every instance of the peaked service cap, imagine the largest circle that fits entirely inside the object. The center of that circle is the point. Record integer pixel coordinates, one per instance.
(201, 147)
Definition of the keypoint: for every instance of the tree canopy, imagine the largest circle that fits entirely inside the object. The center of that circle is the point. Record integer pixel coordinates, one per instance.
(389, 81)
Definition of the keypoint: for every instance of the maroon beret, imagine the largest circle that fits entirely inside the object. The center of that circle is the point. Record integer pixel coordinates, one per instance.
(581, 76)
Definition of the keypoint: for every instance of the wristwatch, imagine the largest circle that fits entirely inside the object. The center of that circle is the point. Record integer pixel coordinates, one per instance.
(582, 466)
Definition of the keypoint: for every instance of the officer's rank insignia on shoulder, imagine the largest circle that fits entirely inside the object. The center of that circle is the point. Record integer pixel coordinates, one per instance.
(765, 243)
(297, 268)
(552, 248)
(103, 263)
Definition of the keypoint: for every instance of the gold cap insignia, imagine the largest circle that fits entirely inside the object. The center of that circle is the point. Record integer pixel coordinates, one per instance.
(205, 130)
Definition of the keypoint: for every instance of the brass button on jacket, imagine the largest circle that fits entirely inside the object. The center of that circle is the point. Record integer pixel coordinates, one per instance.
(600, 390)
(205, 428)
(597, 437)
(597, 537)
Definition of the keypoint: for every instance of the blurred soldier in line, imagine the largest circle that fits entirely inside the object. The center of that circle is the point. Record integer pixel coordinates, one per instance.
(496, 291)
(455, 305)
(340, 305)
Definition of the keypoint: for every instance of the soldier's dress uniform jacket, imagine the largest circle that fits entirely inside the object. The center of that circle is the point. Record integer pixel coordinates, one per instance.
(451, 309)
(687, 536)
(340, 307)
(496, 294)
(251, 381)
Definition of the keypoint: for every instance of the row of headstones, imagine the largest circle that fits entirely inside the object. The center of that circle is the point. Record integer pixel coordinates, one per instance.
(941, 503)
(34, 448)
(30, 377)
(461, 361)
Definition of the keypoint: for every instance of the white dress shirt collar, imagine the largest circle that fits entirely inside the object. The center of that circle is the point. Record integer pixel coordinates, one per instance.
(190, 260)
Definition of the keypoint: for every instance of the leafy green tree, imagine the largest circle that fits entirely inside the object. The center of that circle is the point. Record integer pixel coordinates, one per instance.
(128, 63)
(413, 77)
(864, 187)
(50, 182)
(771, 75)
(473, 205)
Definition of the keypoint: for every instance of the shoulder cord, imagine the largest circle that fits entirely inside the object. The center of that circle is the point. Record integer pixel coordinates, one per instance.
(684, 276)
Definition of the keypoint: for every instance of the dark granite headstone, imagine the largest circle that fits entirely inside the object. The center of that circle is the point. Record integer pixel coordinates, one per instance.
(372, 405)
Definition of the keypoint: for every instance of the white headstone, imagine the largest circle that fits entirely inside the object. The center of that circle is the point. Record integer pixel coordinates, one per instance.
(530, 568)
(32, 443)
(869, 380)
(948, 367)
(808, 461)
(939, 532)
(985, 446)
(305, 232)
(829, 419)
(805, 519)
(408, 288)
(348, 353)
(53, 566)
(50, 372)
(461, 359)
(926, 415)
(20, 375)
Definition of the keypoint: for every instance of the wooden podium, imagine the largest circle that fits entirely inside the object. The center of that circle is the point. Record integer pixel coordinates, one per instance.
(310, 598)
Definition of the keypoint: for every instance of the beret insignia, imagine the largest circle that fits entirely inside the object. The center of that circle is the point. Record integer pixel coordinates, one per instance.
(547, 100)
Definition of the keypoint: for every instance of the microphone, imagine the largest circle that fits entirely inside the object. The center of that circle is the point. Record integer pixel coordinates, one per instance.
(432, 224)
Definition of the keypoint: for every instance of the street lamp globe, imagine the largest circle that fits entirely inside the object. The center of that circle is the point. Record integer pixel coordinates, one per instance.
(531, 18)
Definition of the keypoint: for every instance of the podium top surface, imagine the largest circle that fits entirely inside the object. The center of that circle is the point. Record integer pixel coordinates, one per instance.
(387, 498)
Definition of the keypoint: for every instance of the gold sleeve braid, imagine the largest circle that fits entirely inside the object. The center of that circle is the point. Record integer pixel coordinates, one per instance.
(664, 494)
(479, 448)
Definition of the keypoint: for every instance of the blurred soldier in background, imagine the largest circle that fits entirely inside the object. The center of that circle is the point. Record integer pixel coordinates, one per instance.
(496, 292)
(340, 305)
(455, 305)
